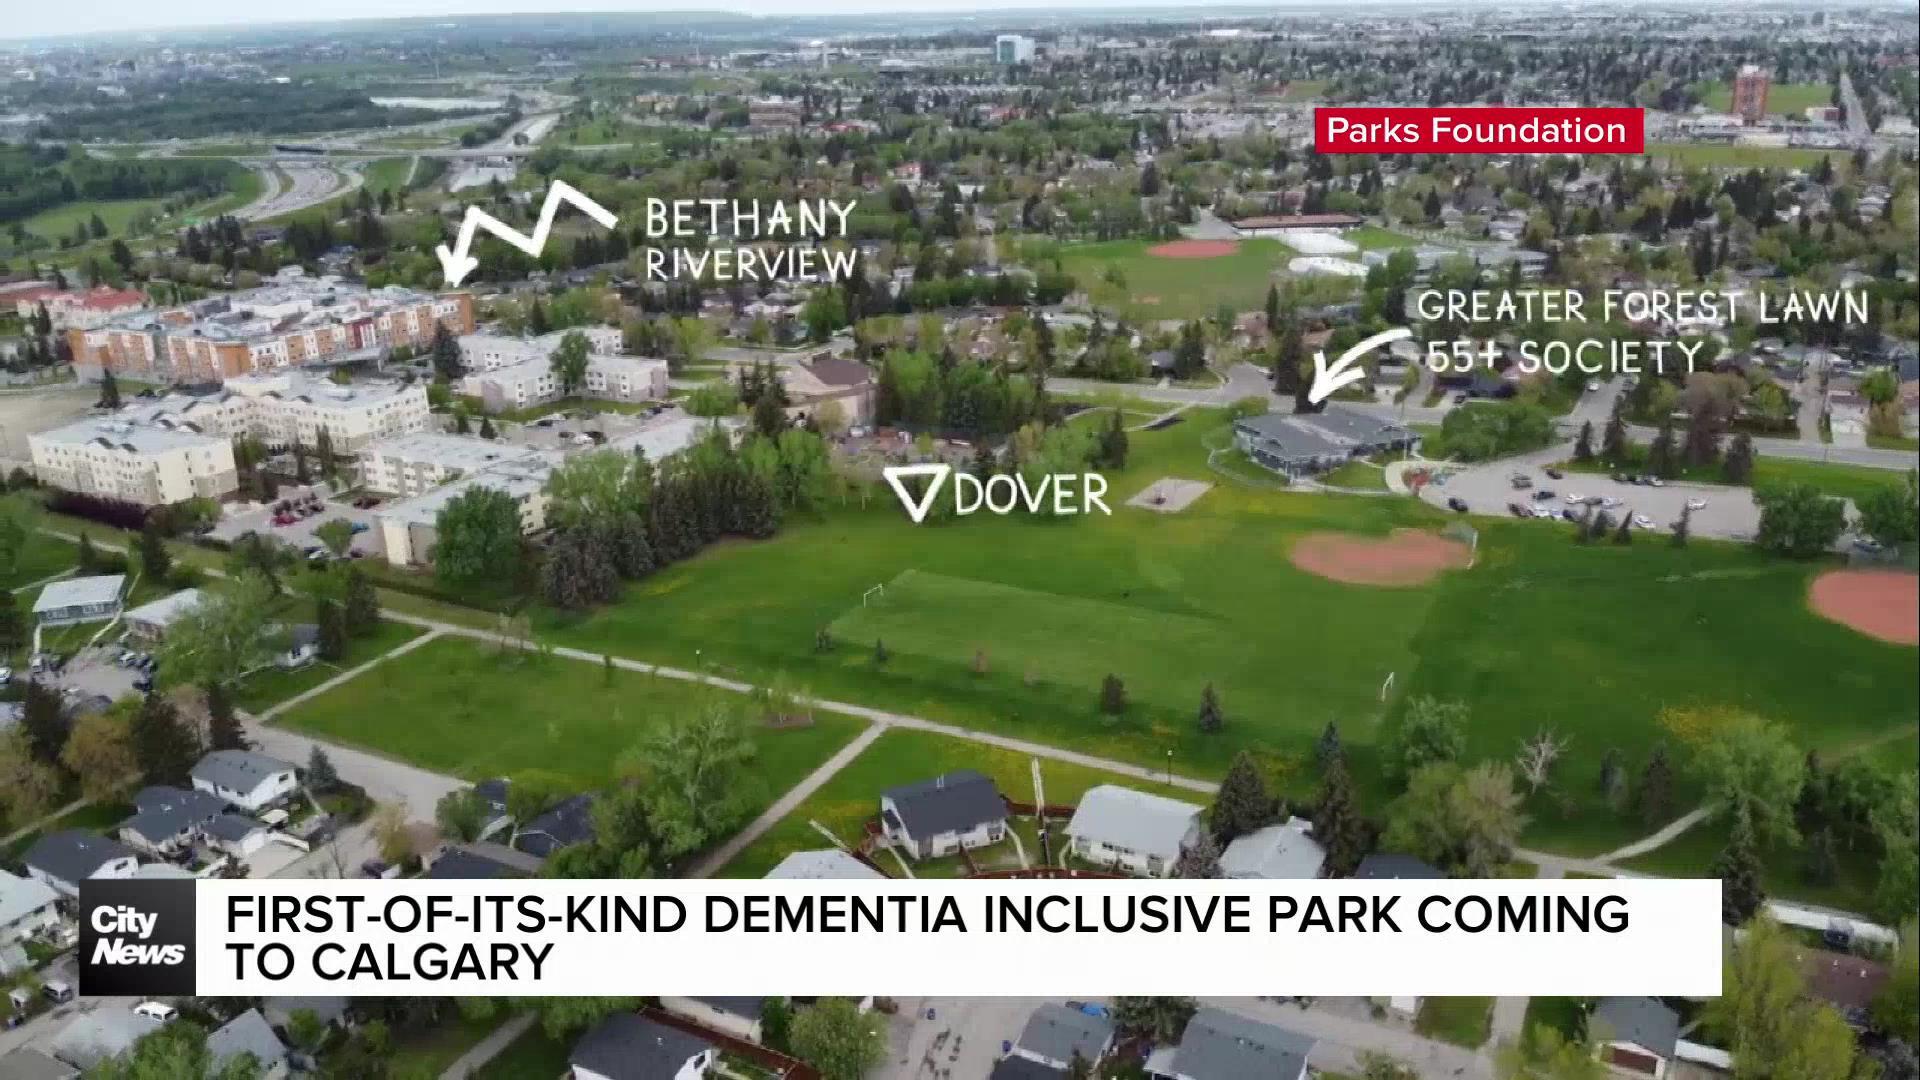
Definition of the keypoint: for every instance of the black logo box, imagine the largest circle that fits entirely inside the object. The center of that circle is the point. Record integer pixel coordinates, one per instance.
(104, 901)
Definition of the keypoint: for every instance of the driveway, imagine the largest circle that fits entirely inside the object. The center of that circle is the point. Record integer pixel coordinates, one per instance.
(962, 1038)
(1729, 513)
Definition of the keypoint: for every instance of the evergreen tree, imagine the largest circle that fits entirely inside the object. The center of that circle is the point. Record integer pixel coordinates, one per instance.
(45, 723)
(1242, 804)
(1656, 788)
(1113, 695)
(1613, 780)
(1583, 446)
(1199, 860)
(1613, 440)
(487, 430)
(460, 424)
(880, 654)
(223, 724)
(1662, 460)
(1337, 825)
(321, 775)
(331, 622)
(1683, 528)
(1112, 453)
(1737, 466)
(323, 453)
(13, 625)
(445, 352)
(1210, 718)
(165, 746)
(361, 605)
(155, 560)
(1624, 533)
(1822, 862)
(982, 466)
(109, 391)
(1738, 868)
(1328, 749)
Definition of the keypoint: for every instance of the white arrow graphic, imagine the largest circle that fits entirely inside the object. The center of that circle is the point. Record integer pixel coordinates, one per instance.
(457, 264)
(1328, 379)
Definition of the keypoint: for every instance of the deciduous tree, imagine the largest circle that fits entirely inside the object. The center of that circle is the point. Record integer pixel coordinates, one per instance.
(100, 752)
(1429, 731)
(479, 538)
(1798, 520)
(840, 1040)
(1751, 769)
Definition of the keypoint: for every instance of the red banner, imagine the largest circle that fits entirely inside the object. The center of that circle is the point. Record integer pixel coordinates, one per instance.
(1476, 130)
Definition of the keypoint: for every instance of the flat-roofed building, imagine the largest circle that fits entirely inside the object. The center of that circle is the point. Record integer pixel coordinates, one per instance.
(143, 463)
(517, 373)
(415, 464)
(409, 528)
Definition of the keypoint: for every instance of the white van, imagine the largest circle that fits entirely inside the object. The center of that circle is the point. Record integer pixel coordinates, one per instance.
(57, 991)
(158, 1012)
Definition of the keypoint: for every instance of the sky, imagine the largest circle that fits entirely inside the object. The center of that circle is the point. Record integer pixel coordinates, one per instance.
(28, 19)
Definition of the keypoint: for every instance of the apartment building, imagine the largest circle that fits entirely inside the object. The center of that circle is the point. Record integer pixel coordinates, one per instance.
(1750, 93)
(296, 321)
(409, 528)
(416, 464)
(774, 114)
(291, 407)
(517, 373)
(136, 462)
(70, 309)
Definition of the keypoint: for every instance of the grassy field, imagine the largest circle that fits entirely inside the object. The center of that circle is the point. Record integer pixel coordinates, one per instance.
(533, 1056)
(1363, 475)
(1733, 156)
(1163, 288)
(387, 174)
(1304, 90)
(42, 556)
(902, 757)
(267, 688)
(431, 1051)
(1591, 642)
(116, 214)
(1462, 1021)
(1375, 238)
(461, 707)
(1783, 99)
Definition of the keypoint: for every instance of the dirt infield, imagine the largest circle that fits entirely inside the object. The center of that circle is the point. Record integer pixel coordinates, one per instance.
(1408, 557)
(1195, 249)
(1884, 604)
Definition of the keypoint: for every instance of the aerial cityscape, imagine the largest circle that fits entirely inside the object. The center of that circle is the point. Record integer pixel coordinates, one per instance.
(966, 444)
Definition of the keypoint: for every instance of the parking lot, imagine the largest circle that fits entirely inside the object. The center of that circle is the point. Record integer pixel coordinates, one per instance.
(242, 518)
(1727, 513)
(97, 671)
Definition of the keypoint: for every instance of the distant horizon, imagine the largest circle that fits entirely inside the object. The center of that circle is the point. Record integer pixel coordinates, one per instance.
(103, 18)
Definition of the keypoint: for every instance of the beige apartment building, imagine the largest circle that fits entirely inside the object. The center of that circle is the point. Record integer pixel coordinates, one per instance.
(291, 407)
(138, 463)
(517, 373)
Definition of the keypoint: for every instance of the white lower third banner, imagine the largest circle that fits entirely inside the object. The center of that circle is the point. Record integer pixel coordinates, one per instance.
(1575, 938)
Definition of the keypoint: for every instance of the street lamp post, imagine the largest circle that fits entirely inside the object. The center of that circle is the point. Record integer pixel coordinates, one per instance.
(1169, 768)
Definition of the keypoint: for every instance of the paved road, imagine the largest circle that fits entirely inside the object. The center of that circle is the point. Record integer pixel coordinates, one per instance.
(313, 182)
(1344, 1032)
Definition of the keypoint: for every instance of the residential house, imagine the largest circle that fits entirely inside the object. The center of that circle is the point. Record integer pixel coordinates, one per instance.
(331, 1011)
(736, 1016)
(1277, 852)
(27, 906)
(1219, 1045)
(829, 864)
(77, 600)
(248, 780)
(960, 809)
(235, 835)
(94, 1037)
(26, 1063)
(248, 1034)
(167, 820)
(1015, 1067)
(626, 1046)
(1145, 834)
(1055, 1035)
(1384, 866)
(149, 621)
(480, 861)
(62, 860)
(569, 823)
(1636, 1034)
(1847, 982)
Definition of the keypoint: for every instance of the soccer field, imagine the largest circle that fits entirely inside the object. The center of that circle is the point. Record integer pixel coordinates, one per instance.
(1158, 287)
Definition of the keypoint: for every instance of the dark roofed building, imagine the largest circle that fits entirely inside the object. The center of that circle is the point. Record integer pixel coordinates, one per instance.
(66, 858)
(1303, 443)
(942, 815)
(626, 1046)
(1015, 1067)
(1219, 1045)
(481, 861)
(1385, 866)
(167, 819)
(1055, 1035)
(1638, 1033)
(569, 823)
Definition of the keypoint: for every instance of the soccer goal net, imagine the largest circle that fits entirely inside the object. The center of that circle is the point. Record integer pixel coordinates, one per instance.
(878, 592)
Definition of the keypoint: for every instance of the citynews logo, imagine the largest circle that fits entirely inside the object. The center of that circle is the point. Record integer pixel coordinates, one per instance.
(1061, 494)
(136, 937)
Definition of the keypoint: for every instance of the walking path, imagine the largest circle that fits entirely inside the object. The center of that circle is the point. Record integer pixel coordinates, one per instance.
(44, 821)
(488, 1048)
(785, 804)
(404, 647)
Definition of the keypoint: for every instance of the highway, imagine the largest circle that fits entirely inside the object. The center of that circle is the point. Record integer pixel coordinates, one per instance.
(312, 182)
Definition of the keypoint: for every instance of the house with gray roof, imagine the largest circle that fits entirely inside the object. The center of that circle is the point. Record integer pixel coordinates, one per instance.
(480, 861)
(82, 599)
(27, 906)
(825, 864)
(94, 1037)
(735, 1016)
(1139, 832)
(248, 780)
(1220, 1045)
(167, 820)
(150, 620)
(1278, 852)
(563, 825)
(62, 860)
(26, 1063)
(1387, 866)
(236, 835)
(627, 1046)
(1636, 1034)
(960, 809)
(244, 1035)
(1055, 1035)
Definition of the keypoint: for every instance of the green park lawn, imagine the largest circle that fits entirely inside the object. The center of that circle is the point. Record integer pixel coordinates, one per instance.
(1162, 288)
(1462, 1021)
(1375, 238)
(1304, 90)
(1836, 479)
(115, 214)
(535, 1055)
(1783, 99)
(1737, 156)
(902, 757)
(465, 708)
(270, 686)
(41, 556)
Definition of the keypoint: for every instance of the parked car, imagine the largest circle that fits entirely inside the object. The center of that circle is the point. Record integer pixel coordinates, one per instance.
(1518, 511)
(1642, 521)
(1608, 502)
(157, 1011)
(1574, 498)
(1457, 504)
(359, 527)
(1522, 480)
(6, 675)
(57, 991)
(1543, 495)
(1696, 504)
(1592, 385)
(1554, 473)
(1594, 500)
(1570, 515)
(1654, 481)
(1623, 478)
(1543, 512)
